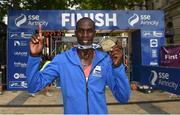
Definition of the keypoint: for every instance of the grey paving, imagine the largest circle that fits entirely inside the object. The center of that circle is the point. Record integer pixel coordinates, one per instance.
(20, 99)
(152, 109)
(157, 102)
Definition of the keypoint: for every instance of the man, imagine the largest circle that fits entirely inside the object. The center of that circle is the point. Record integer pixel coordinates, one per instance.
(84, 72)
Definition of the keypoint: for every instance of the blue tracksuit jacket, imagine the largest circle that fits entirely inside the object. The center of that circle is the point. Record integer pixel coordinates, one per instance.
(79, 96)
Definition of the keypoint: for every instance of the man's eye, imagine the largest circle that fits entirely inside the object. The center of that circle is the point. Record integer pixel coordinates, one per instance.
(81, 31)
(90, 30)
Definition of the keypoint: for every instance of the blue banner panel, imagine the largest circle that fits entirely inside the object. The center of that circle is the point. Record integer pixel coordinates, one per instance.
(151, 42)
(17, 59)
(162, 78)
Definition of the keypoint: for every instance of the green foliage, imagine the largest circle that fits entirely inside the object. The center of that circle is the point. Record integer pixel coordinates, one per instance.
(104, 4)
(3, 10)
(46, 4)
(65, 4)
(32, 5)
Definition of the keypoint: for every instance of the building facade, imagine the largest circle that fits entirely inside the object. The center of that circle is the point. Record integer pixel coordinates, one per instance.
(172, 18)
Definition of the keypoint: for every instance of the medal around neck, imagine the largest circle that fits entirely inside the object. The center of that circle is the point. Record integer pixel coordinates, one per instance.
(84, 47)
(94, 46)
(107, 44)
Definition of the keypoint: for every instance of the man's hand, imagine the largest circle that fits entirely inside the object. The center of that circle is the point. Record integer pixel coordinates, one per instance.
(36, 43)
(116, 55)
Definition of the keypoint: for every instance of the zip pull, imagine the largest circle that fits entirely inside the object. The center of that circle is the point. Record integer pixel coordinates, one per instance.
(87, 79)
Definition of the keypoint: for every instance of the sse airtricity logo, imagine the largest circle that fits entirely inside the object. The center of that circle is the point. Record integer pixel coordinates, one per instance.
(20, 20)
(133, 19)
(153, 77)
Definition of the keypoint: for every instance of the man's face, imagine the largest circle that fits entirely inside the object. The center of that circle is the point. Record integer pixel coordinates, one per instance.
(85, 32)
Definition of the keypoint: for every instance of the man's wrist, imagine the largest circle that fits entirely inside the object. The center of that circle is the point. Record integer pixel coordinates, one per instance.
(35, 55)
(117, 65)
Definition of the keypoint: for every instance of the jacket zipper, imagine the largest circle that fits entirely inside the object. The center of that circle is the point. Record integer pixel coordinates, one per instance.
(87, 97)
(87, 101)
(87, 90)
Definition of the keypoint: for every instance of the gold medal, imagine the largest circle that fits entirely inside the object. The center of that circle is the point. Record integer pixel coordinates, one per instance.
(107, 44)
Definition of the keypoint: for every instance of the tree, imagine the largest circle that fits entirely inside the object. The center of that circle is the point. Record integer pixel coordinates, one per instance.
(32, 5)
(46, 4)
(65, 4)
(3, 10)
(105, 4)
(7, 5)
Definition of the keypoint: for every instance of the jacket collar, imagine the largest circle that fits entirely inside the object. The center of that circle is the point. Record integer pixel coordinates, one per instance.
(72, 55)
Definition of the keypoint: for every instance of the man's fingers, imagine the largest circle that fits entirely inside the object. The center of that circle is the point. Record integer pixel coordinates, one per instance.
(117, 46)
(35, 39)
(116, 61)
(40, 30)
(116, 52)
(40, 36)
(116, 55)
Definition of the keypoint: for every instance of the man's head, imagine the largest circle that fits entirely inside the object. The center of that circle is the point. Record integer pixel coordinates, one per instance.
(85, 31)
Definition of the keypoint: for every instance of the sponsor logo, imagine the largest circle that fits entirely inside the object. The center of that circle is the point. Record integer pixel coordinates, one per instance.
(20, 54)
(97, 71)
(24, 84)
(15, 84)
(19, 64)
(144, 20)
(171, 56)
(18, 84)
(19, 76)
(152, 34)
(25, 35)
(153, 43)
(133, 20)
(20, 20)
(154, 63)
(29, 20)
(20, 35)
(154, 53)
(163, 79)
(157, 33)
(14, 35)
(153, 77)
(147, 33)
(16, 43)
(20, 43)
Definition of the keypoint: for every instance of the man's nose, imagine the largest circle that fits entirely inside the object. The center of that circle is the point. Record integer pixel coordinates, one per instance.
(85, 33)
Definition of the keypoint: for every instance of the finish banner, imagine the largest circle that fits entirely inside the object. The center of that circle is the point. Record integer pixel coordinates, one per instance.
(170, 56)
(22, 24)
(21, 20)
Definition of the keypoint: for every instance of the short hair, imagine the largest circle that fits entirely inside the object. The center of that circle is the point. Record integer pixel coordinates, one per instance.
(85, 19)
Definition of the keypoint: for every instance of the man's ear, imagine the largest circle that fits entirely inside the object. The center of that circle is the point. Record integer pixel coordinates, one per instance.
(94, 32)
(75, 32)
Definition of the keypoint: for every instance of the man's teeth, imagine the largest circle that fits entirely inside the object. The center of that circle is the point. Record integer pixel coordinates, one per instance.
(85, 41)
